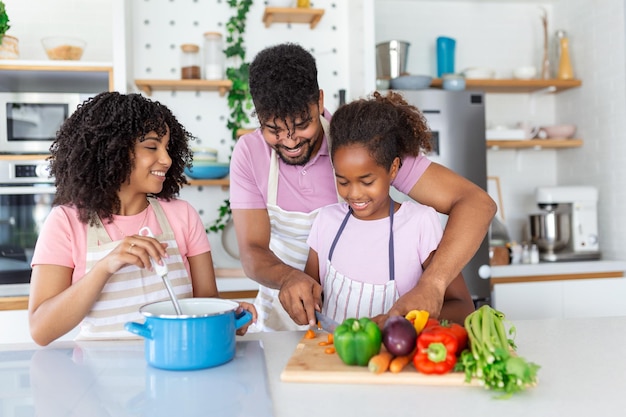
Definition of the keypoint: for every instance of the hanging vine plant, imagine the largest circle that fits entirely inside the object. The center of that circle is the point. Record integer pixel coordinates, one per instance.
(239, 99)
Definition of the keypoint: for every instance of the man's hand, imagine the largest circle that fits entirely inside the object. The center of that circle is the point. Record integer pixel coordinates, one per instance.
(300, 296)
(424, 296)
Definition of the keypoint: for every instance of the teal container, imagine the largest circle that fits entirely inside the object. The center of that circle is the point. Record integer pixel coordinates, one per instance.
(445, 55)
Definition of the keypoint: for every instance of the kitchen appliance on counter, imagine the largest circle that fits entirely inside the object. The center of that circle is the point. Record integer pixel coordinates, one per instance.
(29, 121)
(567, 227)
(457, 123)
(26, 194)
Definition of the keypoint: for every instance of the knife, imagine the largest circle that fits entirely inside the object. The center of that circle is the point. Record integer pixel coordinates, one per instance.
(326, 322)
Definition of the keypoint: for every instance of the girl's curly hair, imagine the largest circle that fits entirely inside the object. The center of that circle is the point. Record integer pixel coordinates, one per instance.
(387, 126)
(92, 155)
(283, 83)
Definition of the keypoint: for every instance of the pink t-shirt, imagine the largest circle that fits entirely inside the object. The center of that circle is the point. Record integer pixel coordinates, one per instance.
(300, 188)
(63, 238)
(362, 252)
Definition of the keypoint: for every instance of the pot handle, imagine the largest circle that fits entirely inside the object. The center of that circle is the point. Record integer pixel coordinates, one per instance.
(138, 329)
(242, 318)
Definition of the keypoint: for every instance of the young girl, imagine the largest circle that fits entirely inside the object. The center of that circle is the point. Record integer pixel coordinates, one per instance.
(118, 164)
(370, 251)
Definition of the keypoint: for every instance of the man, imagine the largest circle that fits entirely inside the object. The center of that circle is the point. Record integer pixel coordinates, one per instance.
(281, 175)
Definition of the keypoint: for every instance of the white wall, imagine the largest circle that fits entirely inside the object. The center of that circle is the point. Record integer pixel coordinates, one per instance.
(506, 34)
(32, 20)
(597, 34)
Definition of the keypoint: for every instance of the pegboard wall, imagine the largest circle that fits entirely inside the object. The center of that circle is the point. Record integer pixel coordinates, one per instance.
(159, 27)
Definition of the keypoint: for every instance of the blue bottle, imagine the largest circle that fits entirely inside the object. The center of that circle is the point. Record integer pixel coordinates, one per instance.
(445, 55)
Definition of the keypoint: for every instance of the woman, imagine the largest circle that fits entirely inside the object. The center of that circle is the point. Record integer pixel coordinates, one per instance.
(118, 164)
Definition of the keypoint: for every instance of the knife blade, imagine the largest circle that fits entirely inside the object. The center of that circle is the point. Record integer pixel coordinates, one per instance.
(326, 322)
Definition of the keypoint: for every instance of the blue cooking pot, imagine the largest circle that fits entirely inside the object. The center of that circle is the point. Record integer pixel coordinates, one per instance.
(203, 337)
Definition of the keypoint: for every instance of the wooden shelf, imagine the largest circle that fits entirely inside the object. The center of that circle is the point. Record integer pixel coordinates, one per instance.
(148, 86)
(292, 15)
(223, 182)
(56, 76)
(515, 86)
(535, 144)
(22, 157)
(241, 132)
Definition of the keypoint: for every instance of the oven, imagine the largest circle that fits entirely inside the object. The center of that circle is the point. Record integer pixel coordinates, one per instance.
(26, 194)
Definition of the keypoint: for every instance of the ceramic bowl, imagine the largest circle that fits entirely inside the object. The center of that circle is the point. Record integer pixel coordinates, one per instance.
(453, 82)
(204, 154)
(202, 170)
(410, 82)
(525, 73)
(564, 131)
(63, 48)
(479, 73)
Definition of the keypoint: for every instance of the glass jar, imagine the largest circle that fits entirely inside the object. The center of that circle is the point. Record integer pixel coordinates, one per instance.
(213, 56)
(190, 62)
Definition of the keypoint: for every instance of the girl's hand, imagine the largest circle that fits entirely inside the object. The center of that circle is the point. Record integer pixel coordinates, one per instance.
(248, 307)
(135, 250)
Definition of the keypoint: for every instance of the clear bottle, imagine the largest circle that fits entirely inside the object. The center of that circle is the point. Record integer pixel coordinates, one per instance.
(213, 56)
(190, 62)
(534, 254)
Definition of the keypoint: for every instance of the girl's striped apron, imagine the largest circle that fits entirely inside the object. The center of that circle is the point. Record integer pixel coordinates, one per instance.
(289, 232)
(131, 287)
(346, 298)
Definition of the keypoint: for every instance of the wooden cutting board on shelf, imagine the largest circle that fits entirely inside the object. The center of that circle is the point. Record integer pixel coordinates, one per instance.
(310, 363)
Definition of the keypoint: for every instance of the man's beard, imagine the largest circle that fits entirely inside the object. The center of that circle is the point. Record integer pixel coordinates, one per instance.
(299, 160)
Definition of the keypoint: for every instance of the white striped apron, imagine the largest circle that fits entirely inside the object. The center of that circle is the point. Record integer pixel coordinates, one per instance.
(346, 298)
(289, 232)
(131, 287)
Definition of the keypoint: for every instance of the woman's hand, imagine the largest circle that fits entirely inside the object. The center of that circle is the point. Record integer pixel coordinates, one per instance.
(135, 250)
(248, 307)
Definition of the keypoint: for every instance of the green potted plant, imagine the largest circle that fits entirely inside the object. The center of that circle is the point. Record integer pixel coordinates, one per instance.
(239, 99)
(8, 44)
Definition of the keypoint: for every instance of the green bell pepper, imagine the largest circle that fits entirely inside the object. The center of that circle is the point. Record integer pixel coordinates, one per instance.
(357, 340)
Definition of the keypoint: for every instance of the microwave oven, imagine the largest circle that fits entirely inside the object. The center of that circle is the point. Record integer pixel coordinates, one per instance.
(29, 121)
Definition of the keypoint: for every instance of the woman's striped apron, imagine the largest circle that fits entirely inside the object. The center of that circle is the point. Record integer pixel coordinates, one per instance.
(289, 232)
(131, 287)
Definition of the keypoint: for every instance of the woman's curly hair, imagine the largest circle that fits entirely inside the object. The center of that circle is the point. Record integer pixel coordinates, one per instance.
(387, 126)
(283, 83)
(92, 155)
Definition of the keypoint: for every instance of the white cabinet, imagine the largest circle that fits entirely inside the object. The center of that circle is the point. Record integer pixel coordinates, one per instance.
(560, 290)
(529, 300)
(596, 297)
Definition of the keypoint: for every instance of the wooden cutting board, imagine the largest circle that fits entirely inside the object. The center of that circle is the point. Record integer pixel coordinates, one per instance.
(309, 363)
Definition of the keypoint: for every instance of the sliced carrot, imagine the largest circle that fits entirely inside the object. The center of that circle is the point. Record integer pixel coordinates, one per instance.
(310, 334)
(399, 362)
(331, 339)
(322, 343)
(329, 350)
(380, 363)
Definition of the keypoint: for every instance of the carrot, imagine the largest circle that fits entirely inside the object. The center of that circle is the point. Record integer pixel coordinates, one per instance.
(322, 343)
(380, 363)
(399, 362)
(310, 334)
(331, 339)
(329, 350)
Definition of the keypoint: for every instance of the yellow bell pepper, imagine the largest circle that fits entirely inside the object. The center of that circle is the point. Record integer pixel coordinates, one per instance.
(418, 318)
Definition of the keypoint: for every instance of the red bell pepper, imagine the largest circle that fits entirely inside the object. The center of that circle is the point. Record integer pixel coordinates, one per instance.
(436, 351)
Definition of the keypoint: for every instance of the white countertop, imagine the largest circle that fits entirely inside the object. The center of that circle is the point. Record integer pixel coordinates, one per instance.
(582, 374)
(552, 268)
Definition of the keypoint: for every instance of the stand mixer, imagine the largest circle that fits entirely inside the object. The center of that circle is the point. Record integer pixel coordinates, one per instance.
(567, 227)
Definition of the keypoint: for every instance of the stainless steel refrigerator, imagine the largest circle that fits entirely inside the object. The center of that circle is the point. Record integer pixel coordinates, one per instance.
(457, 122)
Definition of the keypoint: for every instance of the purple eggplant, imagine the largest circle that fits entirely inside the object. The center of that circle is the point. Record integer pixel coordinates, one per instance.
(399, 336)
